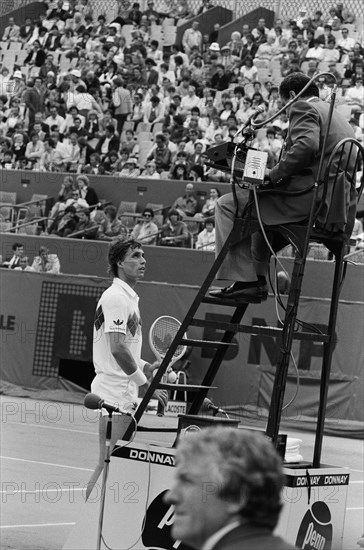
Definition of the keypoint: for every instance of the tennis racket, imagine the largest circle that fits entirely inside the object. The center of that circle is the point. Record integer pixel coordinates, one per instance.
(161, 335)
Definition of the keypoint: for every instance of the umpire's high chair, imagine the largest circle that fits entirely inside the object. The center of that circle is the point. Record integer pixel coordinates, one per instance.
(300, 237)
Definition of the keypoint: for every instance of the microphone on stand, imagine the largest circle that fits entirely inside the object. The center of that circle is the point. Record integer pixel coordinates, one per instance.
(258, 111)
(93, 401)
(208, 406)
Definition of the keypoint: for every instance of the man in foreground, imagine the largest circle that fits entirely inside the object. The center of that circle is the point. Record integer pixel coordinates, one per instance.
(227, 491)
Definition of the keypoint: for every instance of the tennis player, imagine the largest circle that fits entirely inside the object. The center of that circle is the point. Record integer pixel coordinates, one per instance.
(117, 343)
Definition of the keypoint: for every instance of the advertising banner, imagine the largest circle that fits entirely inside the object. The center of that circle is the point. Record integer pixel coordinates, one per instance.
(136, 515)
(47, 323)
(313, 515)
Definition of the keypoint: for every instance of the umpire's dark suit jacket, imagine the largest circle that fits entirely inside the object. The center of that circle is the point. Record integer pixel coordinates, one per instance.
(298, 167)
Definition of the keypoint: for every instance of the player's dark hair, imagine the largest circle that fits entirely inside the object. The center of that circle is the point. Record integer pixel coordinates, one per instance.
(295, 82)
(117, 252)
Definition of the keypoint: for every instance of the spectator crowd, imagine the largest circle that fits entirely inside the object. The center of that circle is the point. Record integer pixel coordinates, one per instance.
(86, 95)
(44, 262)
(187, 223)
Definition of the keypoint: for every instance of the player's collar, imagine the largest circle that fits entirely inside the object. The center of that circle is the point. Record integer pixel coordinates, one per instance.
(125, 286)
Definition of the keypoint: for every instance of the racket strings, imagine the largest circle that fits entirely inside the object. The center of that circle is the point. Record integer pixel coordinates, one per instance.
(163, 334)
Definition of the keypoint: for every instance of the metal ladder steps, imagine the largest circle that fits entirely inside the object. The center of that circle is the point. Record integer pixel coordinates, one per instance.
(257, 329)
(207, 343)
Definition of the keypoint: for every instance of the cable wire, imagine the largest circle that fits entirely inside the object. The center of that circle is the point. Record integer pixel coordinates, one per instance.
(298, 380)
(263, 231)
(148, 485)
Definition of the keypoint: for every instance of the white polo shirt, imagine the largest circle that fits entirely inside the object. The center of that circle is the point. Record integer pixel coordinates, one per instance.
(116, 311)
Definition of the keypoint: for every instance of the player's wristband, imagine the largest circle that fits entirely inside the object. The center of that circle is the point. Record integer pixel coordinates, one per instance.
(138, 377)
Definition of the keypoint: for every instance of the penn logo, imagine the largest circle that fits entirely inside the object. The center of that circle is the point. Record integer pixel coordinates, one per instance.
(315, 532)
(158, 525)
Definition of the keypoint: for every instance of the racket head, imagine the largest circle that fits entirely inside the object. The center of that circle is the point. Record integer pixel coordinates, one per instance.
(161, 335)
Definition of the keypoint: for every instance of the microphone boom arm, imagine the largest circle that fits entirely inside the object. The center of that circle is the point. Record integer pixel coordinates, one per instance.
(257, 125)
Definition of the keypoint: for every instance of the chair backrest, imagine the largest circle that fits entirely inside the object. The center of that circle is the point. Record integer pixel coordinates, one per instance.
(29, 229)
(5, 226)
(144, 136)
(128, 207)
(155, 32)
(168, 22)
(23, 214)
(9, 57)
(169, 35)
(339, 194)
(39, 197)
(126, 33)
(275, 67)
(143, 127)
(218, 95)
(128, 125)
(359, 22)
(158, 220)
(35, 210)
(10, 66)
(7, 197)
(16, 46)
(21, 57)
(157, 128)
(129, 222)
(6, 213)
(275, 64)
(144, 150)
(64, 62)
(156, 207)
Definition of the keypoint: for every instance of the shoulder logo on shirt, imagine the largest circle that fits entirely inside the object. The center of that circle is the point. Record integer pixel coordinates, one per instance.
(118, 323)
(99, 318)
(133, 324)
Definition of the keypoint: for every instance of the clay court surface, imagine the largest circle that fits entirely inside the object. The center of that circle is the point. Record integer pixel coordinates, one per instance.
(48, 451)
